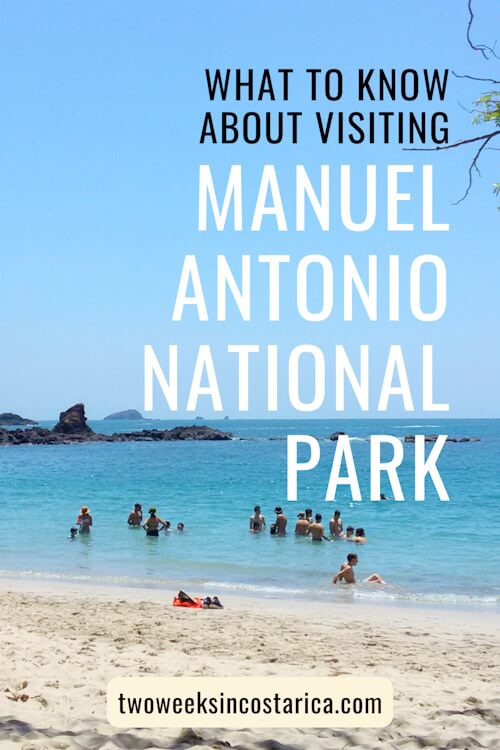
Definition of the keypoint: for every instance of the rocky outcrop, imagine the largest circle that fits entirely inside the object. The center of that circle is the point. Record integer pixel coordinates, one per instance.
(433, 438)
(126, 414)
(335, 435)
(8, 418)
(72, 428)
(73, 422)
(177, 433)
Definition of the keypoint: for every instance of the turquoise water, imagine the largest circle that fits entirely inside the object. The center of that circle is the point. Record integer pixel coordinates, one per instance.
(432, 551)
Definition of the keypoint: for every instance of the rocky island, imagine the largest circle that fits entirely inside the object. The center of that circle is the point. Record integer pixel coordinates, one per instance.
(433, 438)
(8, 419)
(72, 428)
(126, 414)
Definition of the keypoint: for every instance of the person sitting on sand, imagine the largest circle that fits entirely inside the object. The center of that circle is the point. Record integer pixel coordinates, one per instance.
(281, 521)
(359, 536)
(257, 518)
(302, 524)
(346, 572)
(153, 524)
(349, 534)
(336, 527)
(135, 517)
(316, 530)
(84, 520)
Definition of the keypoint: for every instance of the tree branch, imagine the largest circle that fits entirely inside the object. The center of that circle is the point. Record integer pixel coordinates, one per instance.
(463, 142)
(482, 48)
(473, 166)
(475, 78)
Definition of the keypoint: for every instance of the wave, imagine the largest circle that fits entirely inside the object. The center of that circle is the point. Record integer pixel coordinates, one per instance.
(361, 592)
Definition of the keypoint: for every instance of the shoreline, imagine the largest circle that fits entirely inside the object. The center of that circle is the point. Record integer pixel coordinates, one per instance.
(377, 610)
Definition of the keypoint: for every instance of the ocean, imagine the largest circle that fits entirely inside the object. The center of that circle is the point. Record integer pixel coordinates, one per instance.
(430, 552)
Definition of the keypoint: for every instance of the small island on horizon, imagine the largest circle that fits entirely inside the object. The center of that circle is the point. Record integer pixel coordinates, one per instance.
(8, 419)
(126, 414)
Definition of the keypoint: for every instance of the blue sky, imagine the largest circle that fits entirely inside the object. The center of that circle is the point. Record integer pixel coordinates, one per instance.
(102, 105)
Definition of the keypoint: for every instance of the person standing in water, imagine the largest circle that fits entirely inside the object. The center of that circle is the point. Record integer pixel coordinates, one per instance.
(316, 530)
(84, 520)
(135, 517)
(302, 524)
(258, 519)
(336, 527)
(281, 521)
(153, 524)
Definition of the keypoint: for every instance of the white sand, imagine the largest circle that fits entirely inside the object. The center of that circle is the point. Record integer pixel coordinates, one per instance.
(67, 641)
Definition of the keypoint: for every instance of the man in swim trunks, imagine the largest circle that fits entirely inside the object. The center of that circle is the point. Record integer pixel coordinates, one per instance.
(316, 530)
(135, 517)
(302, 524)
(336, 527)
(84, 520)
(346, 572)
(153, 524)
(258, 519)
(281, 521)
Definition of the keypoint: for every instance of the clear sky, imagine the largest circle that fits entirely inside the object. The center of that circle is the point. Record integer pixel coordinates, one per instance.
(102, 104)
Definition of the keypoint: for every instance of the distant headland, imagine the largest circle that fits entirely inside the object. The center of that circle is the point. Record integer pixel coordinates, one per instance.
(8, 419)
(72, 427)
(126, 414)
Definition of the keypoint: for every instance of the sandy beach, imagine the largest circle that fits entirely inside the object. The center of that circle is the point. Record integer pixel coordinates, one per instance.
(62, 644)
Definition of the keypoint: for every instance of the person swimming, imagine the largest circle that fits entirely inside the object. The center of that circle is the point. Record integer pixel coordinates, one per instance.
(84, 521)
(359, 536)
(336, 527)
(73, 532)
(302, 524)
(349, 533)
(180, 526)
(258, 519)
(316, 530)
(346, 572)
(135, 517)
(153, 524)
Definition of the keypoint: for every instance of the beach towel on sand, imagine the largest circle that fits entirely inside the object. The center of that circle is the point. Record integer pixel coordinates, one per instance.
(195, 603)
